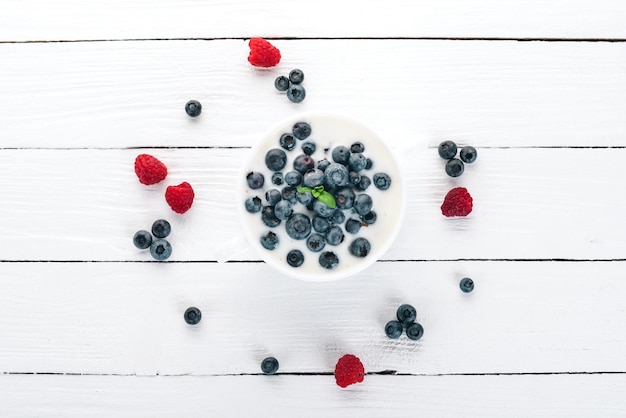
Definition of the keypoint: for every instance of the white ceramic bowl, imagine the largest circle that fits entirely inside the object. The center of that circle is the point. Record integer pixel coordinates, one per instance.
(327, 132)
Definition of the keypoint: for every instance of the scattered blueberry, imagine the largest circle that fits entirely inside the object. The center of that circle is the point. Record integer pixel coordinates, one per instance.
(414, 331)
(273, 196)
(142, 239)
(298, 226)
(334, 236)
(253, 204)
(296, 93)
(290, 194)
(353, 226)
(454, 167)
(338, 217)
(329, 260)
(277, 179)
(468, 154)
(161, 228)
(447, 150)
(269, 365)
(296, 76)
(357, 162)
(336, 175)
(322, 209)
(283, 210)
(306, 198)
(315, 242)
(301, 130)
(293, 178)
(275, 159)
(369, 218)
(295, 258)
(382, 181)
(393, 329)
(364, 183)
(360, 247)
(467, 284)
(192, 315)
(281, 83)
(287, 141)
(160, 249)
(303, 163)
(193, 108)
(406, 314)
(308, 147)
(320, 224)
(255, 180)
(323, 164)
(363, 204)
(313, 178)
(369, 164)
(341, 154)
(269, 240)
(354, 177)
(344, 198)
(269, 217)
(357, 147)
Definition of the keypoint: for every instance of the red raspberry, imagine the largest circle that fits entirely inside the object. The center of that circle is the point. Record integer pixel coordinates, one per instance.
(179, 197)
(149, 170)
(262, 53)
(458, 202)
(349, 370)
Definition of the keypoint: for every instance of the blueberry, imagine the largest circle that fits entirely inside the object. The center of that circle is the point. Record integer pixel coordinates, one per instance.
(275, 159)
(295, 258)
(306, 198)
(360, 247)
(277, 179)
(281, 83)
(323, 164)
(369, 218)
(382, 181)
(354, 177)
(253, 204)
(334, 236)
(272, 196)
(353, 226)
(338, 217)
(414, 331)
(363, 204)
(192, 315)
(161, 228)
(320, 224)
(344, 198)
(269, 217)
(269, 241)
(287, 141)
(357, 147)
(296, 93)
(466, 285)
(193, 108)
(313, 178)
(290, 194)
(303, 163)
(298, 226)
(341, 154)
(447, 150)
(315, 242)
(406, 314)
(308, 148)
(364, 183)
(336, 175)
(142, 239)
(296, 76)
(357, 162)
(269, 365)
(329, 260)
(255, 180)
(301, 130)
(454, 167)
(322, 209)
(393, 329)
(160, 249)
(283, 210)
(468, 154)
(369, 164)
(293, 178)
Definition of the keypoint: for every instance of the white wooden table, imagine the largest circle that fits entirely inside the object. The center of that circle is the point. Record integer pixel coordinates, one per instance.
(90, 327)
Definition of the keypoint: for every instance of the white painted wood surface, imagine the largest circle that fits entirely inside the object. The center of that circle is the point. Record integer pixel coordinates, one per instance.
(90, 327)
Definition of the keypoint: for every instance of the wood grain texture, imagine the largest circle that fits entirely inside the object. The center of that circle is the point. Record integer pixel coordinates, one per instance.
(489, 94)
(121, 318)
(315, 396)
(528, 204)
(117, 19)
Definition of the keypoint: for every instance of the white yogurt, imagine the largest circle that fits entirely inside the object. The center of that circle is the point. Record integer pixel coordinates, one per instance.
(327, 132)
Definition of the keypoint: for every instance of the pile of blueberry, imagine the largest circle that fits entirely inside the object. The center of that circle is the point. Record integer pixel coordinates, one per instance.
(292, 85)
(160, 248)
(455, 166)
(316, 200)
(406, 315)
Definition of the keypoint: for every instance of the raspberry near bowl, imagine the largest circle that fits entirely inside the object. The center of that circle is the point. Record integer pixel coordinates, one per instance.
(320, 197)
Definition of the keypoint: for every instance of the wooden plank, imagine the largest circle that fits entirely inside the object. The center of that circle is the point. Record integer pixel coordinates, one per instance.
(529, 204)
(127, 318)
(313, 396)
(36, 20)
(496, 94)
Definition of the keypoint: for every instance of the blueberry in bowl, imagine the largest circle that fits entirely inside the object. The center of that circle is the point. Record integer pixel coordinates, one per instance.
(338, 205)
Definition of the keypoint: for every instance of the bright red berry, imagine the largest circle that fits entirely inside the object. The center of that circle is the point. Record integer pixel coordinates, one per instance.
(262, 53)
(349, 370)
(149, 170)
(458, 202)
(179, 197)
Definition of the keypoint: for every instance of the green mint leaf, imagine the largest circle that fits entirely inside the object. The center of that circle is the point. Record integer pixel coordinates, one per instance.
(317, 191)
(327, 199)
(304, 189)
